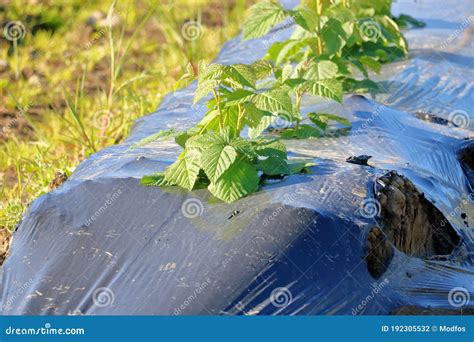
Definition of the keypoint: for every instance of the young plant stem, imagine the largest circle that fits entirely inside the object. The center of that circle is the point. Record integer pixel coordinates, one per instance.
(319, 11)
(217, 97)
(239, 121)
(298, 108)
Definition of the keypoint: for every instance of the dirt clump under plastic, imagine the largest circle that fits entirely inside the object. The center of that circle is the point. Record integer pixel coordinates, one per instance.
(379, 252)
(466, 158)
(411, 222)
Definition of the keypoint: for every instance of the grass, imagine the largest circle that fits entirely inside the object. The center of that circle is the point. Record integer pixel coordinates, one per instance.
(83, 72)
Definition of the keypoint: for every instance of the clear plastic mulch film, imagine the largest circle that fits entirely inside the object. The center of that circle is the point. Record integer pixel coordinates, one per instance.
(334, 241)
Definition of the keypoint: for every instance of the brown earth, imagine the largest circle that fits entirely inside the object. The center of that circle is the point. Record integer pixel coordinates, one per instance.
(411, 222)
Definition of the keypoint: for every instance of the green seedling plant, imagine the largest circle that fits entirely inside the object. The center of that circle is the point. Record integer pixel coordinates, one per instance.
(214, 153)
(334, 42)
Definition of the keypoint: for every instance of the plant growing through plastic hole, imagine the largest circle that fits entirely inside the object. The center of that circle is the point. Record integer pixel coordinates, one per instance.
(332, 42)
(214, 153)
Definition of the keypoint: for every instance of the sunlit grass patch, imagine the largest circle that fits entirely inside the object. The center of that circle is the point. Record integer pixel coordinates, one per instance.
(80, 73)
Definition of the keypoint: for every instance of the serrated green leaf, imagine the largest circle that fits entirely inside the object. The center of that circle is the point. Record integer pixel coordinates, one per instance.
(265, 121)
(306, 18)
(237, 182)
(286, 72)
(360, 87)
(161, 135)
(404, 19)
(322, 124)
(307, 132)
(274, 101)
(295, 83)
(238, 96)
(183, 172)
(371, 63)
(282, 52)
(321, 70)
(261, 18)
(303, 132)
(340, 13)
(245, 149)
(325, 118)
(210, 72)
(361, 67)
(299, 166)
(210, 122)
(240, 75)
(274, 166)
(157, 179)
(331, 89)
(266, 147)
(182, 138)
(217, 159)
(262, 69)
(253, 116)
(203, 89)
(334, 36)
(391, 32)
